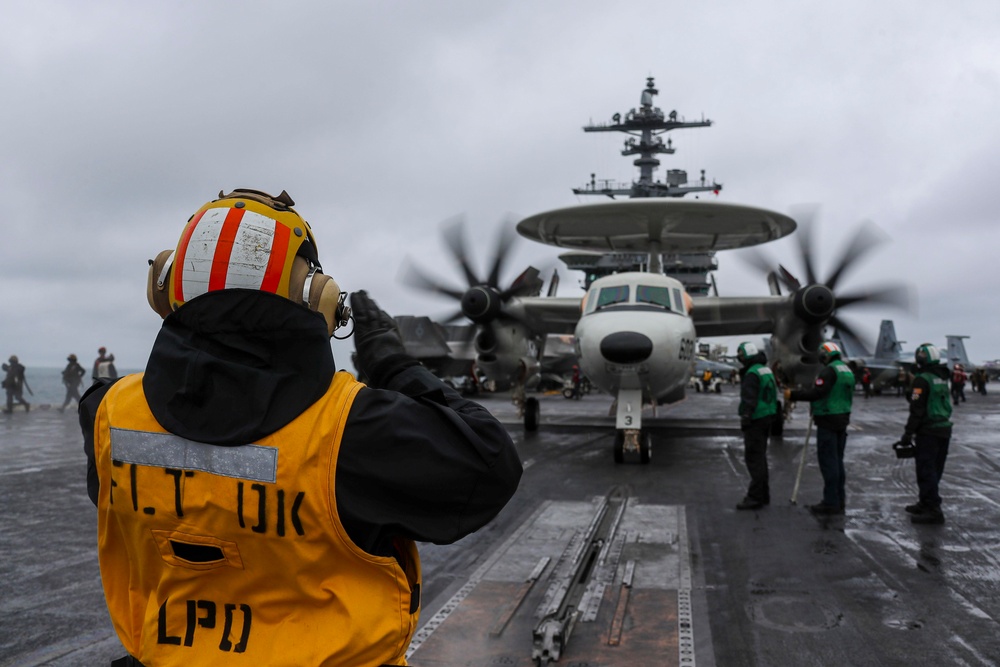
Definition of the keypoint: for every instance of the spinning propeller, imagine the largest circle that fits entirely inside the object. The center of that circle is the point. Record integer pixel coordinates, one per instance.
(482, 300)
(816, 302)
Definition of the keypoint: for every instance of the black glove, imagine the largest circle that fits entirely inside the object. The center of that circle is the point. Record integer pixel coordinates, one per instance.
(906, 440)
(380, 352)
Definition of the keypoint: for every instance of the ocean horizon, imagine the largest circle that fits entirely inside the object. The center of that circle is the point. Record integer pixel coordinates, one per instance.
(49, 392)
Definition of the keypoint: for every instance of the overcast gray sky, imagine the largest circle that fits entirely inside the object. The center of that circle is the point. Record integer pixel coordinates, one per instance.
(383, 119)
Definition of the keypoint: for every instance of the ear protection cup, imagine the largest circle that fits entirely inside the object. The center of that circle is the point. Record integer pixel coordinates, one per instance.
(158, 282)
(317, 291)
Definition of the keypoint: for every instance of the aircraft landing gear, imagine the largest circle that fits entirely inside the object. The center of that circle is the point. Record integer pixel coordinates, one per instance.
(532, 414)
(634, 443)
(629, 437)
(645, 447)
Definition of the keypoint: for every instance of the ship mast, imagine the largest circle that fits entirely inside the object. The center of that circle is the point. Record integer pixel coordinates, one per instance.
(645, 127)
(647, 123)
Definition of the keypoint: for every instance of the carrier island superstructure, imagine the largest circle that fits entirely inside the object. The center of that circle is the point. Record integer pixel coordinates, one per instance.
(646, 126)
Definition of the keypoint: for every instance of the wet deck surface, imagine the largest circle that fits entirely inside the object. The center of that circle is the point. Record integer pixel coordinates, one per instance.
(770, 587)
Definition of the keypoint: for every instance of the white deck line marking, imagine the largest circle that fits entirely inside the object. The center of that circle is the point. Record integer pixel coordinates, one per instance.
(424, 633)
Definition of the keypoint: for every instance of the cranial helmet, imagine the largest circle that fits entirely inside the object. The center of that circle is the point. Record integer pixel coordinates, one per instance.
(927, 355)
(71, 357)
(746, 351)
(829, 351)
(246, 240)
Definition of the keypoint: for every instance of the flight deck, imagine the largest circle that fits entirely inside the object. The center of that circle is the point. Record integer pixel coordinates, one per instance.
(596, 563)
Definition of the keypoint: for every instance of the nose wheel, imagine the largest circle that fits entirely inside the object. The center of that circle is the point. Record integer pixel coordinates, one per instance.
(632, 445)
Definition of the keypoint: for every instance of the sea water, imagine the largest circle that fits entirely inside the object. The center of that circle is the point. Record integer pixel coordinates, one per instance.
(49, 391)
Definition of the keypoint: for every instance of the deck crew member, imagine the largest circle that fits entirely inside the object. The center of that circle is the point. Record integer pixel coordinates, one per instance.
(72, 378)
(929, 429)
(830, 400)
(758, 407)
(255, 506)
(14, 383)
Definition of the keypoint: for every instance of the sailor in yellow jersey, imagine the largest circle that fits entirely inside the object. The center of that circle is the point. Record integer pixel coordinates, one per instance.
(255, 506)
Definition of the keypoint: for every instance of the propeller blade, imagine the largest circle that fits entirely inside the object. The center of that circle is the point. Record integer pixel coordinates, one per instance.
(805, 216)
(867, 238)
(756, 259)
(529, 283)
(773, 285)
(504, 244)
(791, 282)
(454, 237)
(847, 331)
(554, 283)
(415, 277)
(454, 317)
(894, 295)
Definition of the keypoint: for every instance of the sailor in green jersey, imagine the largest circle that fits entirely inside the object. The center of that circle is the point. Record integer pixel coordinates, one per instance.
(758, 407)
(830, 397)
(929, 428)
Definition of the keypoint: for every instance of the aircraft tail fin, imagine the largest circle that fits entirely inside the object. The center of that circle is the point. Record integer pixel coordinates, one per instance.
(956, 351)
(888, 346)
(422, 338)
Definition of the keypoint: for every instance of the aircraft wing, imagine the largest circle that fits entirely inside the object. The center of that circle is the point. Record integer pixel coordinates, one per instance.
(547, 314)
(735, 316)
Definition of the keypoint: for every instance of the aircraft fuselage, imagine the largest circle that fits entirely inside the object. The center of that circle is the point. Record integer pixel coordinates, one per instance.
(635, 334)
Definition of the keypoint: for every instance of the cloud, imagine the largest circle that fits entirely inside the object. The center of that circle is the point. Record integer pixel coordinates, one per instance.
(384, 119)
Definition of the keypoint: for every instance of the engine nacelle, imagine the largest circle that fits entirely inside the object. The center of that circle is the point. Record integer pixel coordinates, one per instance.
(505, 353)
(532, 371)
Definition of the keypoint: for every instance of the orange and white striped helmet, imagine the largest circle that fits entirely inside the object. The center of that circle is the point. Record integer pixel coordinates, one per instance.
(244, 240)
(829, 351)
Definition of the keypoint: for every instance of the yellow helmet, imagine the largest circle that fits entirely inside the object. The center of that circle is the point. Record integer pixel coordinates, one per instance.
(245, 240)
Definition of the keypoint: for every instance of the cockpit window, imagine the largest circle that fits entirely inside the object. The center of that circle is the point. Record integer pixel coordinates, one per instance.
(659, 296)
(612, 295)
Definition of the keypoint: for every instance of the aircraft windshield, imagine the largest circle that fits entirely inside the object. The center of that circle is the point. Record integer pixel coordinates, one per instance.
(612, 295)
(659, 296)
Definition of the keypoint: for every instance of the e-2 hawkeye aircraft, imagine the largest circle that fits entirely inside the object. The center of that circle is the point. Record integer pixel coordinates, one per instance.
(636, 331)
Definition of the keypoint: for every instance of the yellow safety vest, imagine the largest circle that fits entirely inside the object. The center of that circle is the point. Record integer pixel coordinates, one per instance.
(221, 556)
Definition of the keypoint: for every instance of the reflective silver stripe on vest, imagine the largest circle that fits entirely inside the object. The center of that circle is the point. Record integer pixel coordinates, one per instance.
(166, 450)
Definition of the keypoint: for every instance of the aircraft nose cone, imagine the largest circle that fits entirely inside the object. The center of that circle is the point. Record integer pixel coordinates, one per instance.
(626, 347)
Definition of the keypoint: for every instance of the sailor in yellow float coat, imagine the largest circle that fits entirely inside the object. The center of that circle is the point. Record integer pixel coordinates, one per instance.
(255, 507)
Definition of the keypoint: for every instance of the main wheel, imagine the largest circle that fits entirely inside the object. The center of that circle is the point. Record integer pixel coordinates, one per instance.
(619, 447)
(532, 413)
(645, 447)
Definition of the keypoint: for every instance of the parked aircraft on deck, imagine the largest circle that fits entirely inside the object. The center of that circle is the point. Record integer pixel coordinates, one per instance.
(637, 326)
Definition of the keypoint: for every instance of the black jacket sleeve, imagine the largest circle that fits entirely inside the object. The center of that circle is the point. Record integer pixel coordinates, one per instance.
(419, 461)
(749, 395)
(919, 394)
(824, 384)
(89, 403)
